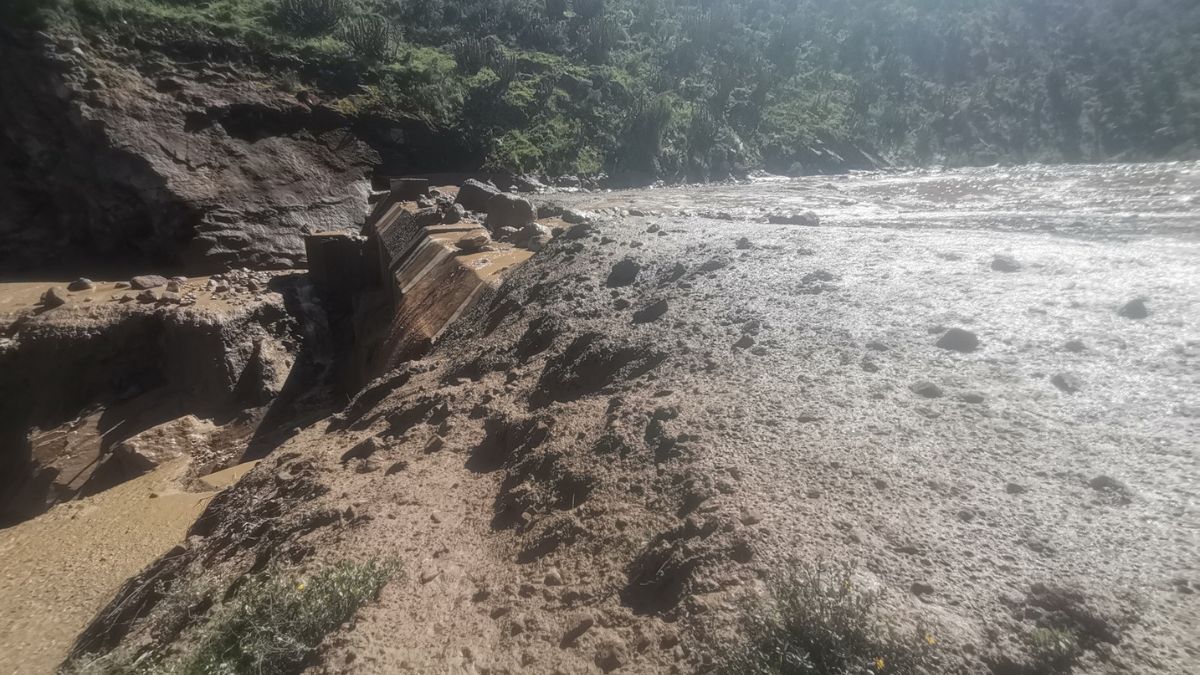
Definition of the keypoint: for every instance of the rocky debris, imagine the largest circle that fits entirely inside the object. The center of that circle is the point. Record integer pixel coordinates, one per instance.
(474, 195)
(1074, 346)
(806, 218)
(927, 389)
(506, 210)
(149, 296)
(81, 284)
(410, 189)
(473, 243)
(623, 273)
(53, 297)
(1067, 382)
(959, 340)
(1005, 263)
(743, 244)
(1135, 309)
(146, 281)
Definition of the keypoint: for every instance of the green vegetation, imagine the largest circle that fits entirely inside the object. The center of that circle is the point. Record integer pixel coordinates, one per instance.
(273, 625)
(694, 89)
(1054, 651)
(818, 623)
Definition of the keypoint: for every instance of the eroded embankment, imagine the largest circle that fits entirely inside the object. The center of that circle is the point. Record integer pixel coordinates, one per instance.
(597, 465)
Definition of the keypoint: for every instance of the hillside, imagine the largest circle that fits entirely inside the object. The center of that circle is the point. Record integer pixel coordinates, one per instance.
(697, 90)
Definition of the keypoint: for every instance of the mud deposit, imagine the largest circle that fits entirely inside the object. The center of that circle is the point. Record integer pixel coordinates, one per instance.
(947, 383)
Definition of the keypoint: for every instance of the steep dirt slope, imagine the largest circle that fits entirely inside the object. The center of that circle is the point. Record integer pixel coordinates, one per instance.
(654, 416)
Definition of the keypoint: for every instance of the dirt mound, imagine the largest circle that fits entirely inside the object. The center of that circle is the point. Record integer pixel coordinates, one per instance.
(570, 489)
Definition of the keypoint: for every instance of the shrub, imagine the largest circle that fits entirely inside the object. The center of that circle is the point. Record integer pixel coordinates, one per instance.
(276, 622)
(311, 17)
(371, 38)
(472, 54)
(1054, 650)
(817, 623)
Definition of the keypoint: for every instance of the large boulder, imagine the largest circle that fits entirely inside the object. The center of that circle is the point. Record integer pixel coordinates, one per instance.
(505, 210)
(474, 195)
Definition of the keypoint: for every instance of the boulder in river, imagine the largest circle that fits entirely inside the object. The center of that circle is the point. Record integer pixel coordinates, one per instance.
(959, 340)
(1005, 263)
(1135, 309)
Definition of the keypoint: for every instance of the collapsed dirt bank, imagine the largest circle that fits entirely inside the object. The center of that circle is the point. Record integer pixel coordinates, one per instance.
(593, 470)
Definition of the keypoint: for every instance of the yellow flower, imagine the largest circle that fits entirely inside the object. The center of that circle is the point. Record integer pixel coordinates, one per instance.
(301, 586)
(879, 664)
(930, 639)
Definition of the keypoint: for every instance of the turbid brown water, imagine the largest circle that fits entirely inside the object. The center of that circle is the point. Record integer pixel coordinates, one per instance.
(948, 384)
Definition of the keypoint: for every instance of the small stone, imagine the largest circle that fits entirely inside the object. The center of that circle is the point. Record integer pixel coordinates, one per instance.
(81, 284)
(576, 629)
(972, 397)
(749, 516)
(1067, 382)
(148, 296)
(474, 242)
(147, 281)
(1074, 346)
(53, 297)
(927, 389)
(744, 244)
(1135, 309)
(959, 340)
(1005, 263)
(553, 577)
(650, 313)
(744, 342)
(920, 588)
(1015, 489)
(623, 273)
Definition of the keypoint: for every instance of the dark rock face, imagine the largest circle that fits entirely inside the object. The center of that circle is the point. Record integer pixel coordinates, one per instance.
(211, 175)
(474, 195)
(410, 189)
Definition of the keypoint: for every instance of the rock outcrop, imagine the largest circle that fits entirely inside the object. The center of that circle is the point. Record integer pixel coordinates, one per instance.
(104, 153)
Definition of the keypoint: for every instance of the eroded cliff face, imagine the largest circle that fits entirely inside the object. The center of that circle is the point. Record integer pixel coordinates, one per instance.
(113, 155)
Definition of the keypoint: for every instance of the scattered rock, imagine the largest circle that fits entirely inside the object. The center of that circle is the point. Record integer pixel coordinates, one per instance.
(474, 195)
(959, 340)
(927, 389)
(53, 297)
(147, 281)
(81, 284)
(1135, 309)
(972, 397)
(1005, 263)
(148, 296)
(744, 244)
(455, 214)
(1015, 489)
(553, 577)
(749, 516)
(745, 342)
(504, 209)
(650, 313)
(1068, 382)
(623, 273)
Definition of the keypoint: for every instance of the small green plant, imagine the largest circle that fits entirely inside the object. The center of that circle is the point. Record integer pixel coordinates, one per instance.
(371, 38)
(1054, 651)
(818, 623)
(312, 17)
(276, 621)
